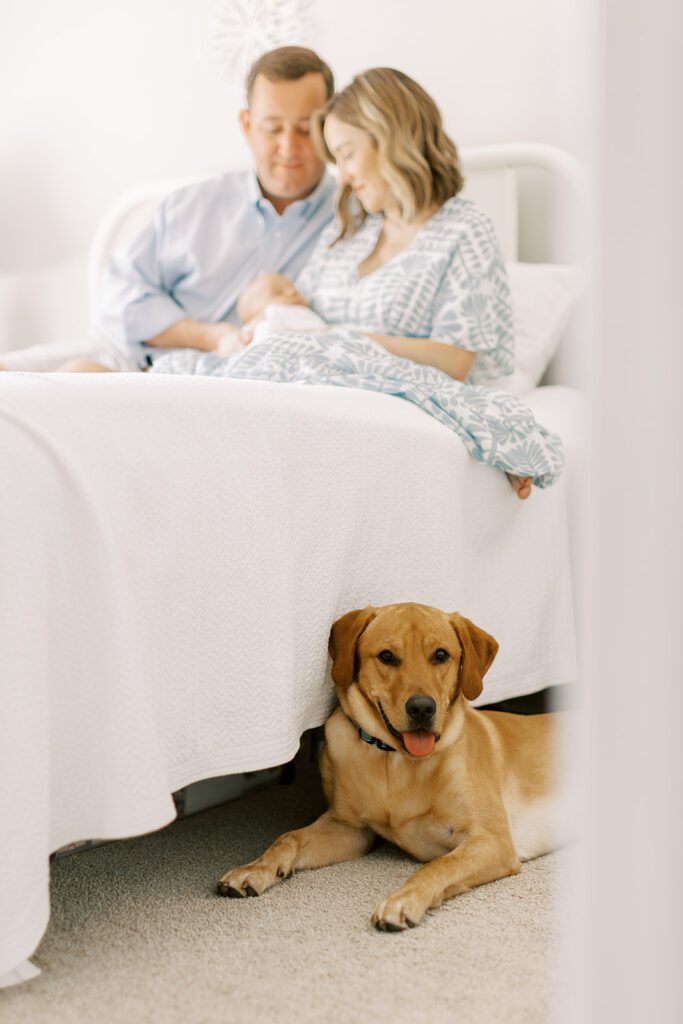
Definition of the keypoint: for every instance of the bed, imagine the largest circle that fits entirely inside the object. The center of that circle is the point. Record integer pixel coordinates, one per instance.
(174, 550)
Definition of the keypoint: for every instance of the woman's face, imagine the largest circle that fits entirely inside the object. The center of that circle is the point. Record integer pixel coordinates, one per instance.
(358, 164)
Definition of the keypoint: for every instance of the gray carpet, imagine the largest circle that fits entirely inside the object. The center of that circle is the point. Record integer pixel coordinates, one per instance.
(137, 935)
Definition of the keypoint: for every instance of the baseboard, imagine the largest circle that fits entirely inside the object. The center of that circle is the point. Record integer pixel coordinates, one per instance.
(553, 698)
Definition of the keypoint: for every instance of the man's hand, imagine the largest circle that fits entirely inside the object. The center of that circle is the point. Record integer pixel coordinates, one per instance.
(228, 339)
(221, 338)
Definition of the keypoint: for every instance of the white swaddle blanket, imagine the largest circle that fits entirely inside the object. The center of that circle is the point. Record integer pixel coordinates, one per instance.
(279, 318)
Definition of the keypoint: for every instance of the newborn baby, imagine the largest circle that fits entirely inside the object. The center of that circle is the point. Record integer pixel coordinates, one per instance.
(270, 304)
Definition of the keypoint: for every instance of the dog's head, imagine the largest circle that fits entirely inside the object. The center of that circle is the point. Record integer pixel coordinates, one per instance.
(401, 668)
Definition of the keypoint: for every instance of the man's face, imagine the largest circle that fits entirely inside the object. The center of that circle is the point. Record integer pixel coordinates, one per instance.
(277, 129)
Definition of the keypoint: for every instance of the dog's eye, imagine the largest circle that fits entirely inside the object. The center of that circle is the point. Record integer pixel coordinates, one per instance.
(441, 654)
(387, 658)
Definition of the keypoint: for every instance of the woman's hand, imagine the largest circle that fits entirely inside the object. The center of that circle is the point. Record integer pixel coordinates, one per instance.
(456, 362)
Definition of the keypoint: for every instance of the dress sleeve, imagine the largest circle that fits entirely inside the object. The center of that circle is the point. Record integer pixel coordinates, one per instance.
(134, 301)
(472, 307)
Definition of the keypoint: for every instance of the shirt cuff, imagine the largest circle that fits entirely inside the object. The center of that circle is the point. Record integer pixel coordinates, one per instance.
(145, 319)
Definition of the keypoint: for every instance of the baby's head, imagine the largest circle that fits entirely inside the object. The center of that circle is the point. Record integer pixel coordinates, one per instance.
(264, 289)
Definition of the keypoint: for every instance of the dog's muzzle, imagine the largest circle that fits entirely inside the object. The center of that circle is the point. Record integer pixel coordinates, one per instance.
(419, 740)
(421, 709)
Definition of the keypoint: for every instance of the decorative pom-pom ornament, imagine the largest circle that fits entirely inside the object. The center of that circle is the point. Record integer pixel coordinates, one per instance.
(239, 31)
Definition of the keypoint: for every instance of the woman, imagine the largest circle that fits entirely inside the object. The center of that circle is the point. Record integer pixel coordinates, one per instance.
(411, 265)
(409, 255)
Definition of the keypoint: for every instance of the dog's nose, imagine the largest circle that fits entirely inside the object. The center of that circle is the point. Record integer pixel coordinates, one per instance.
(420, 709)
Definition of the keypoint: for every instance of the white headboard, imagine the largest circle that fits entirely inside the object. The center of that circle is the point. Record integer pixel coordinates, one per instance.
(533, 193)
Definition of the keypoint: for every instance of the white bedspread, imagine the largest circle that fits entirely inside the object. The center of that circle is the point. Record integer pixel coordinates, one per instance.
(173, 552)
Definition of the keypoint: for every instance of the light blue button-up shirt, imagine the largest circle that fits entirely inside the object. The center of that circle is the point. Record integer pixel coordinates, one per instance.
(206, 243)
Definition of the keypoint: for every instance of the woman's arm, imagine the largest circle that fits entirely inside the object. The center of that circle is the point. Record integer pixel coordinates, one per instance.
(456, 362)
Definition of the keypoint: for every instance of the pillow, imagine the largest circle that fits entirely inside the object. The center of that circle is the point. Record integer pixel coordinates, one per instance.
(543, 297)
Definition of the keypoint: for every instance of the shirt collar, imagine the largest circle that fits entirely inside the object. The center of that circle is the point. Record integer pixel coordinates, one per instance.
(306, 207)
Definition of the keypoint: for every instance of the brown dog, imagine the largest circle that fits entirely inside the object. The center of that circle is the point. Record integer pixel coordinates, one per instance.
(406, 757)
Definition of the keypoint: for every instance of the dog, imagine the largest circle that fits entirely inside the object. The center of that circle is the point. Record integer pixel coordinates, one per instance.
(469, 793)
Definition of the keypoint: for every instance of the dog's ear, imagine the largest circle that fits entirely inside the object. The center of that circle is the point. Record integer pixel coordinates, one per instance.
(342, 646)
(478, 651)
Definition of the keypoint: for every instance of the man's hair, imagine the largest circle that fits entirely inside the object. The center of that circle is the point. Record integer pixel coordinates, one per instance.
(417, 159)
(288, 64)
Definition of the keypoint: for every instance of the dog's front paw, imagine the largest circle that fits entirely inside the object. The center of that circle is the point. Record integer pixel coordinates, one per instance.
(404, 909)
(250, 880)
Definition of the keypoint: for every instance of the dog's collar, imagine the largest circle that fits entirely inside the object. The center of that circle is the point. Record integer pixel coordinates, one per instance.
(367, 738)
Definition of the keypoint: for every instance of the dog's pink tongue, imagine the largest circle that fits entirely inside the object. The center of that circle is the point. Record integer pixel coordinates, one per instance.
(419, 743)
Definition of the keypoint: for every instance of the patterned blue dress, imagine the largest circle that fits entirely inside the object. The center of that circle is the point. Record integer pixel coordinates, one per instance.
(448, 285)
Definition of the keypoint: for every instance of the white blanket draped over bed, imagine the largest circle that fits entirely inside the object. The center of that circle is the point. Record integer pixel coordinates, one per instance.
(173, 551)
(495, 427)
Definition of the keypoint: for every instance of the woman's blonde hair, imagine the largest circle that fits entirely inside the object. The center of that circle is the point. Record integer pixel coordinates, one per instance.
(417, 159)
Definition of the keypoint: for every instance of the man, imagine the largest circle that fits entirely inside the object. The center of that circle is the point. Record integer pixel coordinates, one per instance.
(177, 283)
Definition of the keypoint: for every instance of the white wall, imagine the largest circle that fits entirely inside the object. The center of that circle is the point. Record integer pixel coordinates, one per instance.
(627, 894)
(98, 97)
